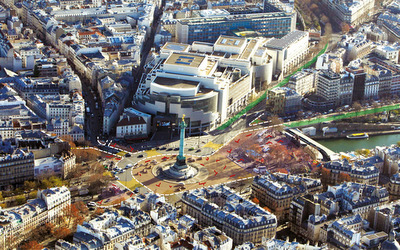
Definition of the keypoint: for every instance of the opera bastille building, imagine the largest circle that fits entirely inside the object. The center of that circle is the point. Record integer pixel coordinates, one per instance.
(207, 82)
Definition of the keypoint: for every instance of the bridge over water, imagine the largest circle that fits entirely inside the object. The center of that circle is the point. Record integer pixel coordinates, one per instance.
(327, 154)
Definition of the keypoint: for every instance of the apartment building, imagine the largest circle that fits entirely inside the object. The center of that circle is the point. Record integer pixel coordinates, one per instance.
(332, 90)
(394, 187)
(133, 124)
(343, 233)
(60, 166)
(276, 191)
(108, 229)
(283, 100)
(359, 171)
(390, 157)
(309, 213)
(353, 13)
(251, 223)
(17, 224)
(214, 238)
(385, 217)
(302, 82)
(16, 168)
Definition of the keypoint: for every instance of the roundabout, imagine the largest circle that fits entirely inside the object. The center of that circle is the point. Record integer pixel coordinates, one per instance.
(164, 171)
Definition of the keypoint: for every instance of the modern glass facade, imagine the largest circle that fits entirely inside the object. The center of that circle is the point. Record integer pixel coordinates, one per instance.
(209, 29)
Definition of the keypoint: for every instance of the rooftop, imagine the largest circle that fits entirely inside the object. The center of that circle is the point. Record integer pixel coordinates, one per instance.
(287, 40)
(187, 60)
(176, 83)
(175, 46)
(230, 41)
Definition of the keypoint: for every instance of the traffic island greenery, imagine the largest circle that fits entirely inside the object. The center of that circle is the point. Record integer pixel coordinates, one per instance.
(264, 95)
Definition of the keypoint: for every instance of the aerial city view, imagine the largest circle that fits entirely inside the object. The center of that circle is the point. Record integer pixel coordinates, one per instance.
(199, 124)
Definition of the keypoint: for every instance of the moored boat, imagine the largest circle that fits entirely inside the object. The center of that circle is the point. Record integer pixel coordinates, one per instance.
(358, 136)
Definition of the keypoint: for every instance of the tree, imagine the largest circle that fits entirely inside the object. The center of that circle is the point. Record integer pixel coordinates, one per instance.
(36, 72)
(97, 167)
(83, 209)
(277, 122)
(344, 177)
(61, 232)
(20, 199)
(41, 232)
(325, 175)
(68, 139)
(345, 28)
(356, 106)
(118, 201)
(328, 29)
(28, 185)
(32, 195)
(32, 245)
(95, 184)
(99, 211)
(324, 19)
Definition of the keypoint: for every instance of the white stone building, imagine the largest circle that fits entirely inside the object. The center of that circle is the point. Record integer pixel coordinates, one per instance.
(133, 124)
(206, 82)
(289, 51)
(302, 82)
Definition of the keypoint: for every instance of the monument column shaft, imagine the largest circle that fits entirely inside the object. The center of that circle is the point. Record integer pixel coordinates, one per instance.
(182, 139)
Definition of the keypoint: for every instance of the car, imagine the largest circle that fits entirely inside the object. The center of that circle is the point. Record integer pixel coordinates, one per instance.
(163, 148)
(139, 156)
(176, 149)
(91, 204)
(128, 166)
(127, 155)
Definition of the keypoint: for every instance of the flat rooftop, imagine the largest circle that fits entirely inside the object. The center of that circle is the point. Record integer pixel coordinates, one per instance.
(249, 48)
(175, 46)
(176, 83)
(376, 235)
(186, 60)
(286, 40)
(230, 41)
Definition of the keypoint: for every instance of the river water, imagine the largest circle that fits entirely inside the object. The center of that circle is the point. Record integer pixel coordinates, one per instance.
(346, 145)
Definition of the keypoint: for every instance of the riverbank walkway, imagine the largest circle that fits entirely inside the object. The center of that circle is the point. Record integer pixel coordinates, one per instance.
(338, 116)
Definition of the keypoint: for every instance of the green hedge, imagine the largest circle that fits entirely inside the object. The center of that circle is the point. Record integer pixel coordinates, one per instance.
(264, 95)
